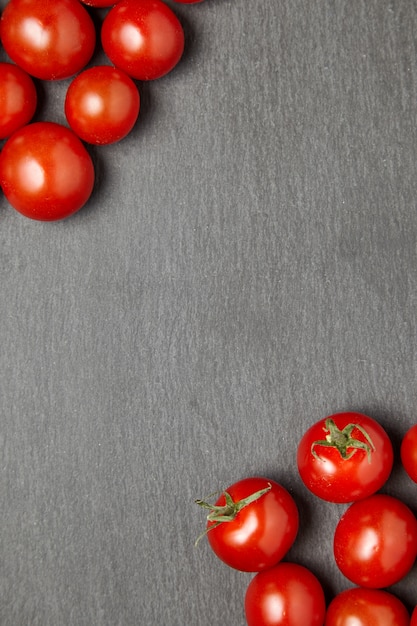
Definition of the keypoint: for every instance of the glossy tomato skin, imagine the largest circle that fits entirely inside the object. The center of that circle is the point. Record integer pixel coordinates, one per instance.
(335, 479)
(285, 595)
(375, 541)
(409, 452)
(49, 39)
(366, 607)
(18, 98)
(45, 171)
(145, 39)
(414, 617)
(102, 105)
(100, 4)
(262, 533)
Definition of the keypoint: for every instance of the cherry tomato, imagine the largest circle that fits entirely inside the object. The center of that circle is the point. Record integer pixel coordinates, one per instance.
(414, 617)
(145, 39)
(253, 524)
(375, 541)
(345, 457)
(409, 452)
(285, 595)
(100, 4)
(366, 607)
(45, 171)
(49, 39)
(102, 104)
(18, 98)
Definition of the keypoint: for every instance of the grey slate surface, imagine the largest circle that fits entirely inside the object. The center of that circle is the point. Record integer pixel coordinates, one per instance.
(246, 266)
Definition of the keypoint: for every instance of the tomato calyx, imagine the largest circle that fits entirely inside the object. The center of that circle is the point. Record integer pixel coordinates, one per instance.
(343, 441)
(227, 512)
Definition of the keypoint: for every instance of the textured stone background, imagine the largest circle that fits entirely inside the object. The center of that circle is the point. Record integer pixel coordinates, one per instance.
(246, 266)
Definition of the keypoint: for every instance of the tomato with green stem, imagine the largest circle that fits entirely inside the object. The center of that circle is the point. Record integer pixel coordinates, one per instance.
(408, 452)
(252, 525)
(288, 594)
(345, 457)
(366, 607)
(375, 541)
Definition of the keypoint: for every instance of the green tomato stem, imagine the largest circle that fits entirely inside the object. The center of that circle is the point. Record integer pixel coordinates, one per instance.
(342, 440)
(227, 512)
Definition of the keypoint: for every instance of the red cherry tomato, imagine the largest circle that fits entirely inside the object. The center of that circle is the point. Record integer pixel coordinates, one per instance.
(100, 4)
(49, 39)
(375, 541)
(285, 595)
(18, 98)
(45, 171)
(366, 607)
(414, 617)
(409, 452)
(145, 39)
(253, 524)
(345, 457)
(102, 104)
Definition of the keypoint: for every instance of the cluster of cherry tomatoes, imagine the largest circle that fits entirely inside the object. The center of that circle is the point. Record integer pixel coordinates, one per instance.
(46, 171)
(344, 458)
